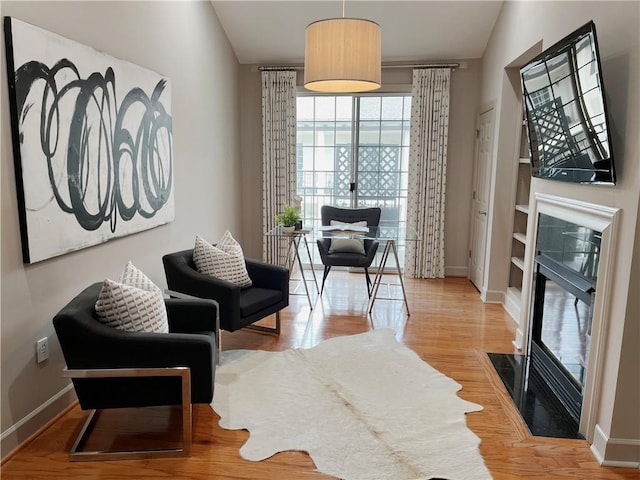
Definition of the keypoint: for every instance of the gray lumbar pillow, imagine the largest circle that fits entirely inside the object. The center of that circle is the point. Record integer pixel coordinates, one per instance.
(347, 245)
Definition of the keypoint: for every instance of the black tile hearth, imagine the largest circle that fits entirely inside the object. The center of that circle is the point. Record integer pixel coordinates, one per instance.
(543, 413)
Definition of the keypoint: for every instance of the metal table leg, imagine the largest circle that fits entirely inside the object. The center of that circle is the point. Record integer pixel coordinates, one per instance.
(294, 258)
(378, 277)
(313, 272)
(404, 293)
(390, 246)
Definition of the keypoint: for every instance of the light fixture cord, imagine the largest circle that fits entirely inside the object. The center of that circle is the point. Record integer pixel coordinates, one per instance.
(343, 2)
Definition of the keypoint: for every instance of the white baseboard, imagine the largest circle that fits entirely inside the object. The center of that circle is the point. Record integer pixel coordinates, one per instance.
(456, 271)
(20, 431)
(518, 342)
(615, 452)
(512, 306)
(492, 296)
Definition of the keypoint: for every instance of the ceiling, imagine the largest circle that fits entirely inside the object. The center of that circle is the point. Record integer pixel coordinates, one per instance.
(266, 32)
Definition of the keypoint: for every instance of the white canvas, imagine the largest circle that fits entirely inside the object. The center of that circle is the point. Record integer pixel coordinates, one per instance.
(92, 141)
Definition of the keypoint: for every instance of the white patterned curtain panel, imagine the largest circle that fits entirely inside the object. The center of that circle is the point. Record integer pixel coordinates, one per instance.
(428, 172)
(278, 152)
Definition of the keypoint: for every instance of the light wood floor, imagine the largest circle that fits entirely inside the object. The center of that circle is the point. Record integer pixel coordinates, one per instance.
(449, 327)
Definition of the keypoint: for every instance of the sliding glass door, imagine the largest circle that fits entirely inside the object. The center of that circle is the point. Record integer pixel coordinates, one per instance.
(353, 151)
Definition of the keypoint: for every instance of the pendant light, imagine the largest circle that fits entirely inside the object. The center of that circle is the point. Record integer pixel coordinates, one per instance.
(342, 55)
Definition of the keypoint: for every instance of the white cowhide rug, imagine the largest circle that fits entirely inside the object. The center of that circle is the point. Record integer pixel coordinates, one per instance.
(364, 407)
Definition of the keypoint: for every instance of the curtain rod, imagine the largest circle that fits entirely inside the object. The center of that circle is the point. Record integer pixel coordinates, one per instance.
(391, 65)
(423, 65)
(267, 68)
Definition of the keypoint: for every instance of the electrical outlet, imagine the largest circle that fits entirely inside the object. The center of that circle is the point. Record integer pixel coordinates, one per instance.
(42, 349)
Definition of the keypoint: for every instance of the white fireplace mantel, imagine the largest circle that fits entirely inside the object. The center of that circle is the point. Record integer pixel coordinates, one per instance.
(596, 217)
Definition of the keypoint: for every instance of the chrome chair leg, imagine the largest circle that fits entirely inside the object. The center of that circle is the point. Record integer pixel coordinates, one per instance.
(262, 328)
(78, 455)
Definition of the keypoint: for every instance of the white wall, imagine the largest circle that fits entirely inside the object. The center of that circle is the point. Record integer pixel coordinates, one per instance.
(462, 122)
(184, 41)
(520, 27)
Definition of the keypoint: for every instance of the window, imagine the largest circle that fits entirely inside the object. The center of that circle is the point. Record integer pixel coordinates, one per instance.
(353, 151)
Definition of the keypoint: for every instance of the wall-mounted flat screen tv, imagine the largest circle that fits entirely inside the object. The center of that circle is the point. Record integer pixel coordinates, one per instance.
(566, 111)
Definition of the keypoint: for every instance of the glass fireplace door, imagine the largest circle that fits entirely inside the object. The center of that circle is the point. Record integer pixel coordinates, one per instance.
(564, 286)
(565, 330)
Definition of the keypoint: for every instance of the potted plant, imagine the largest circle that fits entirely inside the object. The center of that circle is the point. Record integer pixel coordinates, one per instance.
(289, 217)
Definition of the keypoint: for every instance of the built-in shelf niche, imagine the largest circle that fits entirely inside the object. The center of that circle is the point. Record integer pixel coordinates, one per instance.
(519, 231)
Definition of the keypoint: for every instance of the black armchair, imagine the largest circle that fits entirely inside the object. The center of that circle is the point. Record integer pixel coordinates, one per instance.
(240, 307)
(112, 368)
(348, 259)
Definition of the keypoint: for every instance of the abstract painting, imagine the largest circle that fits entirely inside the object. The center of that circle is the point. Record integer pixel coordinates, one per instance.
(92, 143)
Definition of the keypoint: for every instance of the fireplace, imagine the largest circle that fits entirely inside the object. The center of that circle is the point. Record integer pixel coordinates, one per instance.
(554, 379)
(564, 286)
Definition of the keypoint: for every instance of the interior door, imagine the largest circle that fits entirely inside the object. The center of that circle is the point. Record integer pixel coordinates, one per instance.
(480, 198)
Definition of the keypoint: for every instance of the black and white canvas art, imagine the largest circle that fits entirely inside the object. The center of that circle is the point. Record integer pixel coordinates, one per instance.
(92, 143)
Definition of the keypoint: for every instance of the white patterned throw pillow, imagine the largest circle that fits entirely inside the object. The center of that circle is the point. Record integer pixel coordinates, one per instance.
(224, 261)
(347, 245)
(134, 303)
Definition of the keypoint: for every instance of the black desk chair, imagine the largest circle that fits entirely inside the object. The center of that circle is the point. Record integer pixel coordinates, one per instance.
(346, 257)
(113, 368)
(239, 307)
